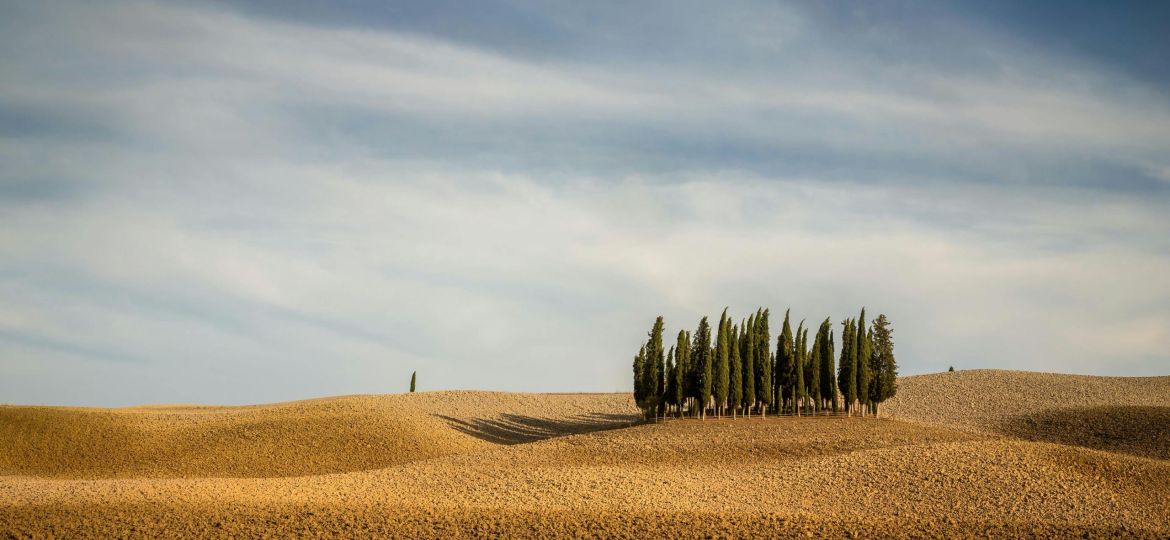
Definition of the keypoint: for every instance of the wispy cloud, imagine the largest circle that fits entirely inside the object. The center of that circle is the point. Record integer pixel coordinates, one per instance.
(254, 207)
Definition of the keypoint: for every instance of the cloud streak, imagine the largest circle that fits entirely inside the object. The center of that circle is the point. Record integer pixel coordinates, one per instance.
(214, 204)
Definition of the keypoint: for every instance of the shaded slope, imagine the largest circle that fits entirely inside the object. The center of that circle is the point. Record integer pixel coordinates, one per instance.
(288, 439)
(1122, 414)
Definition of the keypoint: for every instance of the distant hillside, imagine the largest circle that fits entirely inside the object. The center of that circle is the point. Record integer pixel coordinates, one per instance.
(1126, 414)
(288, 439)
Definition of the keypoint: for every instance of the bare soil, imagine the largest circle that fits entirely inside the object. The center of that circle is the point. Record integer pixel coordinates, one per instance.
(540, 465)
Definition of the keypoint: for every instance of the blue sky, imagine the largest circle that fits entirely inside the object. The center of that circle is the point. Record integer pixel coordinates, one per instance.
(236, 202)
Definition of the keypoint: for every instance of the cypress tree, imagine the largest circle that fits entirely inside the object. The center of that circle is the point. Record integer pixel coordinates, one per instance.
(846, 374)
(862, 352)
(812, 368)
(828, 389)
(652, 368)
(639, 377)
(884, 366)
(722, 354)
(798, 369)
(683, 369)
(735, 372)
(784, 363)
(671, 381)
(763, 362)
(832, 371)
(749, 370)
(413, 374)
(701, 353)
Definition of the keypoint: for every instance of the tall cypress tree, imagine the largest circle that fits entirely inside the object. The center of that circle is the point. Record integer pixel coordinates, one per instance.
(784, 363)
(722, 355)
(832, 370)
(847, 374)
(828, 388)
(883, 365)
(682, 351)
(862, 352)
(749, 370)
(735, 372)
(798, 369)
(763, 350)
(413, 376)
(812, 366)
(701, 354)
(652, 366)
(640, 377)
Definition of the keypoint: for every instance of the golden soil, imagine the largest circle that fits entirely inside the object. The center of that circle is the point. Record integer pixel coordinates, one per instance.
(757, 477)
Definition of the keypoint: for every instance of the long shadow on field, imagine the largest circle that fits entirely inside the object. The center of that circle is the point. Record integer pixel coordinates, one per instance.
(516, 429)
(1139, 431)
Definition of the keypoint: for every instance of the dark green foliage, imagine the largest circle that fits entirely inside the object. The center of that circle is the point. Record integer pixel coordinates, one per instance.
(847, 372)
(682, 354)
(883, 366)
(798, 388)
(640, 377)
(652, 367)
(952, 368)
(784, 362)
(668, 396)
(702, 358)
(747, 349)
(861, 352)
(734, 371)
(722, 356)
(812, 365)
(827, 386)
(413, 378)
(763, 361)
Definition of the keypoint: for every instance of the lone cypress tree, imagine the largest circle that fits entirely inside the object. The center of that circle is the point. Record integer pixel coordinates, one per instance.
(784, 363)
(798, 394)
(749, 370)
(701, 351)
(847, 372)
(883, 366)
(734, 372)
(413, 374)
(862, 352)
(722, 354)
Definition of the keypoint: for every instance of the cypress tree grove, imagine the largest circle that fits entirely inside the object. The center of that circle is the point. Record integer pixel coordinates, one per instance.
(784, 363)
(734, 372)
(763, 350)
(749, 370)
(886, 372)
(722, 354)
(682, 358)
(828, 389)
(862, 352)
(798, 370)
(413, 375)
(846, 373)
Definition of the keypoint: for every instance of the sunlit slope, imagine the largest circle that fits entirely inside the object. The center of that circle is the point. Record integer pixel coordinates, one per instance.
(288, 439)
(719, 478)
(1123, 414)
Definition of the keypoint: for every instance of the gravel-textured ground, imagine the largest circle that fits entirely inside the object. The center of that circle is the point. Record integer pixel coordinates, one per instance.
(771, 477)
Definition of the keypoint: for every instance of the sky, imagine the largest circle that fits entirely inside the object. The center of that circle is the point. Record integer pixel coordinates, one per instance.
(253, 201)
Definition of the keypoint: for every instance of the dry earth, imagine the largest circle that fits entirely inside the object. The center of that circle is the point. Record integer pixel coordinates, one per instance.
(953, 474)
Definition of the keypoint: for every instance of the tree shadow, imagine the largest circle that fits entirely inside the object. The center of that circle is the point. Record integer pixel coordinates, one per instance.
(516, 429)
(1138, 431)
